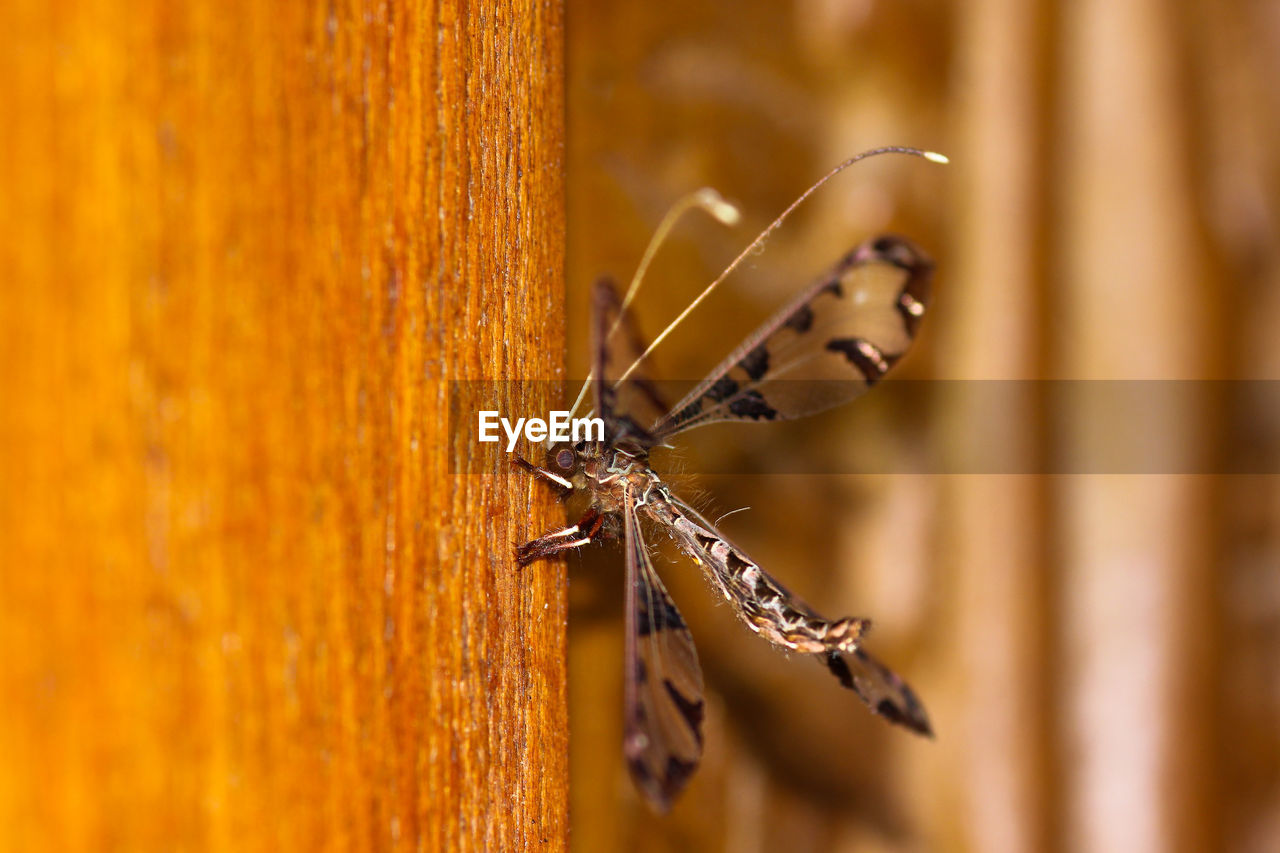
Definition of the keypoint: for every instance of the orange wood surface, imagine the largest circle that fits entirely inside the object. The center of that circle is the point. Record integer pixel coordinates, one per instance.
(244, 603)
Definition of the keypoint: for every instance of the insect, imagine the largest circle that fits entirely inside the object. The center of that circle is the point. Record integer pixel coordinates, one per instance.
(829, 344)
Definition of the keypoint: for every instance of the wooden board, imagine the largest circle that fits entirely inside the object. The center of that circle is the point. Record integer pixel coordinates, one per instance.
(244, 603)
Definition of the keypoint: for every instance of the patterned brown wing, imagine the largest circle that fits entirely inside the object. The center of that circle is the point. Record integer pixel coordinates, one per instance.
(880, 687)
(664, 705)
(631, 408)
(827, 346)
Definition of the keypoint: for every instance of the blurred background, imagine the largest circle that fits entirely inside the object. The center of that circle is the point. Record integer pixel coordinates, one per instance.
(1099, 649)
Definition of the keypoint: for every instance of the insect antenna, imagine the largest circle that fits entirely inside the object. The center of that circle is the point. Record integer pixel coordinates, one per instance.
(932, 156)
(705, 199)
(731, 512)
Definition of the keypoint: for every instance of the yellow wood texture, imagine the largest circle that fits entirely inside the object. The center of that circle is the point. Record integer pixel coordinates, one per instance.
(250, 595)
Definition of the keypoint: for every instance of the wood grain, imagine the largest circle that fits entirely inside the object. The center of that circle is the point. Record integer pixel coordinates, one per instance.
(245, 603)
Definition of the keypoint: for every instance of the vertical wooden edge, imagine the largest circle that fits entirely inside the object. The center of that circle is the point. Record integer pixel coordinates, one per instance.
(1136, 563)
(999, 582)
(515, 173)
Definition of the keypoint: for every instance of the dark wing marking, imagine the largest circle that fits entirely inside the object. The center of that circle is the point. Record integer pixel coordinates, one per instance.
(629, 410)
(664, 706)
(880, 687)
(824, 348)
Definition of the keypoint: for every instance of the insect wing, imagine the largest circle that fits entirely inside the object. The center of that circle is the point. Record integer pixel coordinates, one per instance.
(880, 687)
(631, 408)
(664, 705)
(826, 347)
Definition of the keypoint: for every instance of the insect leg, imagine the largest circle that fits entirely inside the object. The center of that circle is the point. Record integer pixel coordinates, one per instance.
(565, 539)
(563, 485)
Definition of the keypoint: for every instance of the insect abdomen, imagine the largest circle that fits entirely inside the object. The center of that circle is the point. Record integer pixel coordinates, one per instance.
(764, 604)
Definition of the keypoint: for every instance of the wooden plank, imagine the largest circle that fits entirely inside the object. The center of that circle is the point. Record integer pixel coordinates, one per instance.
(245, 604)
(1138, 572)
(1001, 798)
(1237, 107)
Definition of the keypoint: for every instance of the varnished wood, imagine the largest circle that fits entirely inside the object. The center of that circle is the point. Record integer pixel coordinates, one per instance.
(246, 601)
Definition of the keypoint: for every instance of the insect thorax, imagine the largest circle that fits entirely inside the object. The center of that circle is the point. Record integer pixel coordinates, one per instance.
(611, 476)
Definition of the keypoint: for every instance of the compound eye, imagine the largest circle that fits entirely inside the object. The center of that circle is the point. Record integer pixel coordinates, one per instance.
(565, 459)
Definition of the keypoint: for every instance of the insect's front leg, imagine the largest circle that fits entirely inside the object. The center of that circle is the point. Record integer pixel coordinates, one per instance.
(562, 485)
(568, 538)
